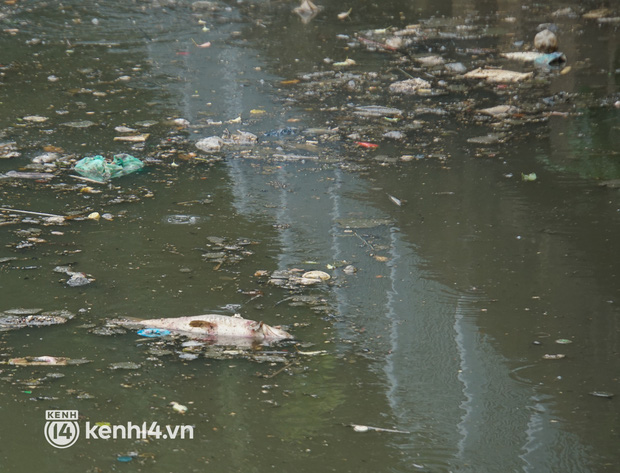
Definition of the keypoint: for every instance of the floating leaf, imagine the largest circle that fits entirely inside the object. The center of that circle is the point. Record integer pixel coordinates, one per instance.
(346, 62)
(528, 177)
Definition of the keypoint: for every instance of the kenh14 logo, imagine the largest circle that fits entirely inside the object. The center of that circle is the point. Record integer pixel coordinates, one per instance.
(61, 428)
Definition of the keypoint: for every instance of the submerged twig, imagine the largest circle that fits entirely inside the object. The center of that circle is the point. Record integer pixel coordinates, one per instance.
(366, 428)
(365, 242)
(40, 214)
(86, 179)
(283, 300)
(276, 373)
(406, 73)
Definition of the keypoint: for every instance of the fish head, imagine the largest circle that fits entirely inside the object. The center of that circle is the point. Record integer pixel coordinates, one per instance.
(274, 333)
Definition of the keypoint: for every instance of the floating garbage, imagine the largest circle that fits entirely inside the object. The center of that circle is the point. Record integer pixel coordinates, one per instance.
(539, 59)
(410, 86)
(558, 356)
(180, 408)
(10, 321)
(179, 219)
(286, 131)
(212, 327)
(101, 169)
(550, 59)
(307, 11)
(546, 41)
(76, 279)
(213, 144)
(314, 277)
(153, 332)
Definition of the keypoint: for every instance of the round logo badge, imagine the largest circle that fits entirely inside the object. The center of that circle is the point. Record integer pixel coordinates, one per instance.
(62, 433)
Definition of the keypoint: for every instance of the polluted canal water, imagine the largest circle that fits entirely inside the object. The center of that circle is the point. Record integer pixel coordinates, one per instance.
(406, 214)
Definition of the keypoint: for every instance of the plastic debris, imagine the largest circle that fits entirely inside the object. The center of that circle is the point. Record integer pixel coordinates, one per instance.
(551, 59)
(153, 332)
(76, 279)
(211, 144)
(455, 68)
(539, 59)
(307, 11)
(365, 144)
(101, 169)
(180, 408)
(10, 321)
(546, 41)
(286, 131)
(410, 86)
(558, 356)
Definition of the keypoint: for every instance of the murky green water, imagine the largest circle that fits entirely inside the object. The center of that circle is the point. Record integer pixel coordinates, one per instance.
(460, 291)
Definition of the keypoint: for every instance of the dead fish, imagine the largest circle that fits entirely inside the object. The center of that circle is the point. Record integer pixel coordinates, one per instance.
(214, 326)
(46, 361)
(395, 200)
(27, 175)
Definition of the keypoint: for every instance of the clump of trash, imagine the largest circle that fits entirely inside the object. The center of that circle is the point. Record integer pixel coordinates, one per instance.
(101, 169)
(213, 144)
(20, 318)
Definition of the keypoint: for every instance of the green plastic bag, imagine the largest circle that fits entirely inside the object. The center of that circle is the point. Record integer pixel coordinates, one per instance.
(100, 169)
